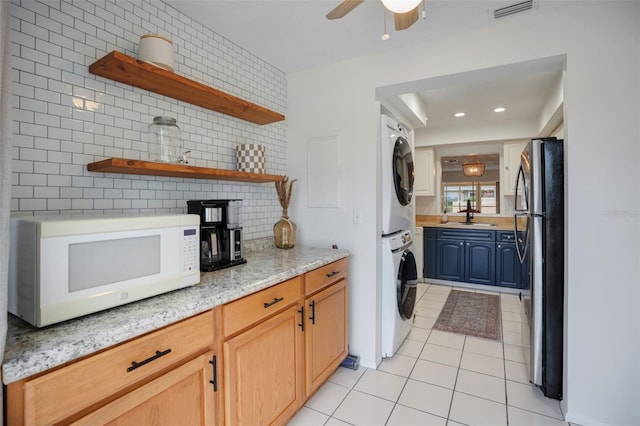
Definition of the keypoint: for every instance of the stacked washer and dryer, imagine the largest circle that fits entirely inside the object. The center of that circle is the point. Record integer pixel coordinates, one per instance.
(399, 273)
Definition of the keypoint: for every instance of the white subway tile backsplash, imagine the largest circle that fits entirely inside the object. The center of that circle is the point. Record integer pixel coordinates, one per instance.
(67, 192)
(47, 168)
(33, 204)
(82, 204)
(58, 204)
(46, 192)
(65, 118)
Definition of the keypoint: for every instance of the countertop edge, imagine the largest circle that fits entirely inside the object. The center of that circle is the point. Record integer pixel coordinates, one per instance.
(30, 351)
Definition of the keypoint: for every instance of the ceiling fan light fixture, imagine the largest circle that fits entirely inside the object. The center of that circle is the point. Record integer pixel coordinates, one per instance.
(385, 35)
(472, 167)
(400, 6)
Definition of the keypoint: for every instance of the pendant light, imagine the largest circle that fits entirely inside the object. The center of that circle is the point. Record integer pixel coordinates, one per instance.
(400, 6)
(472, 167)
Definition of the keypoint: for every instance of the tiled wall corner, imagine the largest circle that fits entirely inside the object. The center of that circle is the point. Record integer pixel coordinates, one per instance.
(64, 117)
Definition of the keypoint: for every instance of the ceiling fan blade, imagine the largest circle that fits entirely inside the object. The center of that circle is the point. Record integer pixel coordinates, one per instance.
(343, 8)
(403, 21)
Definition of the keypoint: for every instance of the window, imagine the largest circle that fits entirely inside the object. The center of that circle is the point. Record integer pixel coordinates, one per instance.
(456, 195)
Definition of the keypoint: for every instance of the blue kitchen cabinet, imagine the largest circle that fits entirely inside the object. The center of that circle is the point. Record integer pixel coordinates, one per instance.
(479, 262)
(429, 253)
(465, 255)
(509, 270)
(450, 259)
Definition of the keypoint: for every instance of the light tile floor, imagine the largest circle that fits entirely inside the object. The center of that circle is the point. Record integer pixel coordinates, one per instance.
(439, 378)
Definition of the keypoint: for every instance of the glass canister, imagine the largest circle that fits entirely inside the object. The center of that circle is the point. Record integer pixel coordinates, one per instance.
(164, 140)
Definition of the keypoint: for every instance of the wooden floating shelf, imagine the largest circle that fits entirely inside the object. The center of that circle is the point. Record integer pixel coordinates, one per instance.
(126, 69)
(139, 167)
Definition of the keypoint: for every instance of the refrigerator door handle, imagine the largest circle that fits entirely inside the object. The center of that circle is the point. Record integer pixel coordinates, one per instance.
(521, 178)
(521, 236)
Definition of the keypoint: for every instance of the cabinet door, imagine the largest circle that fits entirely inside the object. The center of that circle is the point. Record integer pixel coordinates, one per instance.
(425, 172)
(508, 266)
(325, 334)
(511, 160)
(480, 262)
(182, 396)
(263, 371)
(429, 253)
(450, 260)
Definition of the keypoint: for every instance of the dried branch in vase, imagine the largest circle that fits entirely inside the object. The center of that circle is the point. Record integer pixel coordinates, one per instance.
(284, 231)
(284, 193)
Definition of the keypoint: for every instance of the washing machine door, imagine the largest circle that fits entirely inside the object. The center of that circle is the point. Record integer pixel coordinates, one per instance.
(407, 284)
(403, 170)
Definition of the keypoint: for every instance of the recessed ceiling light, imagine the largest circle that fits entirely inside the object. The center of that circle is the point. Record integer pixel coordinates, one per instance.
(459, 114)
(499, 109)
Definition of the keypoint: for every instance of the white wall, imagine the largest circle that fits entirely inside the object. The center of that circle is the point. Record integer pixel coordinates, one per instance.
(602, 95)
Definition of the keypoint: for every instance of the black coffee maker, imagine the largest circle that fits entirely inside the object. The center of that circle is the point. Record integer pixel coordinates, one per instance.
(220, 233)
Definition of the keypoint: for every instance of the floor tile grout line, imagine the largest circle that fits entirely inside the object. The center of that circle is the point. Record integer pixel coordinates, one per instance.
(453, 393)
(346, 395)
(506, 394)
(397, 401)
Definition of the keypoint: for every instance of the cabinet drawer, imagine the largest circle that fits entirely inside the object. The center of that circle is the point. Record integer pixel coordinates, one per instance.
(463, 234)
(325, 275)
(55, 396)
(244, 312)
(505, 236)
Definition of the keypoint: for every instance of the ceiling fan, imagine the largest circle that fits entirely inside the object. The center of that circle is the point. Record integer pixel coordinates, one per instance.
(405, 12)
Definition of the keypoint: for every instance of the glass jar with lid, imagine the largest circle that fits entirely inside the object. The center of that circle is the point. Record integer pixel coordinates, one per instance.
(164, 140)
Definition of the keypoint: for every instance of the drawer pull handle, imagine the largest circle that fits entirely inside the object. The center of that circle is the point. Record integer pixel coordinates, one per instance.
(301, 323)
(313, 312)
(158, 354)
(273, 302)
(329, 275)
(214, 382)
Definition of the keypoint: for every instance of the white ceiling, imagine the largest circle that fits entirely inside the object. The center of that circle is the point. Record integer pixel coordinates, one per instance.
(294, 34)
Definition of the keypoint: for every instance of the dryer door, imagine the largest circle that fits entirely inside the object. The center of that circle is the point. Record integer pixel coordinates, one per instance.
(403, 170)
(407, 284)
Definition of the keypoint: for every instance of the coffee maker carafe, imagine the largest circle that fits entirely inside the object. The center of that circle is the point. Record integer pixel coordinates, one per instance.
(220, 232)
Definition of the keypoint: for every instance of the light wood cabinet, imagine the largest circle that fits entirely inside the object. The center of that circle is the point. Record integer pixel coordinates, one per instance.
(247, 311)
(263, 371)
(78, 389)
(183, 396)
(325, 334)
(282, 344)
(425, 173)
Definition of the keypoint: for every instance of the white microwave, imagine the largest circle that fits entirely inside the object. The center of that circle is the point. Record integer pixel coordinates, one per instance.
(63, 267)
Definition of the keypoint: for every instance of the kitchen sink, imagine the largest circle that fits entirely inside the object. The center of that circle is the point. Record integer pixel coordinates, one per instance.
(477, 224)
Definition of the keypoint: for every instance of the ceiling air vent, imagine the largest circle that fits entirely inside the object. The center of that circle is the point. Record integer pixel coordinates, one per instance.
(514, 8)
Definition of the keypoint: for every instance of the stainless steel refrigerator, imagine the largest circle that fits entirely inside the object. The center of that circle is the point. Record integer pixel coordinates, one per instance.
(539, 231)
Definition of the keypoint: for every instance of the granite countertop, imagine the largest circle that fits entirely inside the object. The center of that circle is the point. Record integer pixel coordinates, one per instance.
(30, 350)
